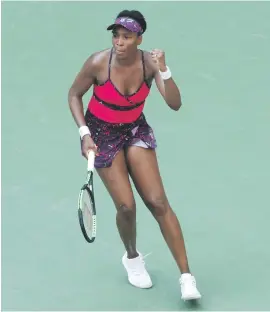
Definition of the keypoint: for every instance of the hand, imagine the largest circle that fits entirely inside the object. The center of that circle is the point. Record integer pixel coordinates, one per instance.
(158, 57)
(88, 144)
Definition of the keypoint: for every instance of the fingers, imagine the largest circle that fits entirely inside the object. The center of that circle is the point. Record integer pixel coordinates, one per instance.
(156, 53)
(154, 58)
(88, 145)
(86, 154)
(158, 56)
(93, 148)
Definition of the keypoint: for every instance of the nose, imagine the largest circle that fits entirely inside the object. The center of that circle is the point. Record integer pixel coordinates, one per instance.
(120, 42)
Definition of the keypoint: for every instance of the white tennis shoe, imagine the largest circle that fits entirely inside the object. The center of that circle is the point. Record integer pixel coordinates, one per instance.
(188, 286)
(136, 271)
(139, 277)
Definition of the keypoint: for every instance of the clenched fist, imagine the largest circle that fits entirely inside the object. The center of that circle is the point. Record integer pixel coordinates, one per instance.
(158, 57)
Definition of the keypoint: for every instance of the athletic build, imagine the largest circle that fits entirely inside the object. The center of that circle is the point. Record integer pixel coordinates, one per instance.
(115, 127)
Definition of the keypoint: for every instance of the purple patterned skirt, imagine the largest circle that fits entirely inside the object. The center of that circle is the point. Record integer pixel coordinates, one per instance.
(110, 138)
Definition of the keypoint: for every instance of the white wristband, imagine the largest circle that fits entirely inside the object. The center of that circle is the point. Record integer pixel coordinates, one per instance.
(84, 130)
(166, 75)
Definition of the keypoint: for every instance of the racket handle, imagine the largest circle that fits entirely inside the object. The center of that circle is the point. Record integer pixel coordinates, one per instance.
(91, 161)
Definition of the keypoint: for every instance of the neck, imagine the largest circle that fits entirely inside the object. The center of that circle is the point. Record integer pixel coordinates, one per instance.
(130, 60)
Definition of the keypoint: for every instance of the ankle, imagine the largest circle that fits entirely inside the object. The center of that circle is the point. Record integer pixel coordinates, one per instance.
(186, 271)
(184, 267)
(132, 255)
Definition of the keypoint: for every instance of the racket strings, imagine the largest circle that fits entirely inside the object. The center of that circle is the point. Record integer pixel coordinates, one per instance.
(87, 212)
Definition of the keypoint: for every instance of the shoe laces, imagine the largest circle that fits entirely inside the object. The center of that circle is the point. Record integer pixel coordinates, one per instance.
(138, 266)
(188, 281)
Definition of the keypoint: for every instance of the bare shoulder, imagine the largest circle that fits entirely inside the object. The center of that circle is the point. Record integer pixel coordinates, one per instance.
(100, 57)
(97, 60)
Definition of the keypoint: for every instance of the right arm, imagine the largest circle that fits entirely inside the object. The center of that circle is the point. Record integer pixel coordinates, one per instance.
(82, 83)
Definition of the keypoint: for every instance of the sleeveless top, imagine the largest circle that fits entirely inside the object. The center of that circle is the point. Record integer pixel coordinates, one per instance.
(109, 104)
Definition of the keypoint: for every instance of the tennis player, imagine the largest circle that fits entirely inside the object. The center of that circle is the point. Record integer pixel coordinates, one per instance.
(115, 127)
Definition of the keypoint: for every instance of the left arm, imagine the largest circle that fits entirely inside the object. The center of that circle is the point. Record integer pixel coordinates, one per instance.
(167, 88)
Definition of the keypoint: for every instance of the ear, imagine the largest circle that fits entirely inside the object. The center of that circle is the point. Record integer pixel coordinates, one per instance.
(139, 40)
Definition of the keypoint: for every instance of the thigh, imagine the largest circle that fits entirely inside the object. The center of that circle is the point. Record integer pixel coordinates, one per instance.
(116, 180)
(144, 170)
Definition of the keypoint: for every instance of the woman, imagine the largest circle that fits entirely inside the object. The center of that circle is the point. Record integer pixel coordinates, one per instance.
(115, 127)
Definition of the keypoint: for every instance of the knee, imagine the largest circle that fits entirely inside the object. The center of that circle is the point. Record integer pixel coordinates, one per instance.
(127, 211)
(158, 206)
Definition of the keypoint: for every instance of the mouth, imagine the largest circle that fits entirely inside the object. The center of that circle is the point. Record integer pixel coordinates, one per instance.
(120, 52)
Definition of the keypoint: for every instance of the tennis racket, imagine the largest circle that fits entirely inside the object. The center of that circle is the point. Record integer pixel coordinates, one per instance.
(86, 203)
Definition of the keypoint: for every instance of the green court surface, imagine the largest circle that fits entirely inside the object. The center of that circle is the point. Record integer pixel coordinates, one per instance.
(214, 157)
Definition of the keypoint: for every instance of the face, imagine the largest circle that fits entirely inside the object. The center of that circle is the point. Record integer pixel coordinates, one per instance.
(125, 42)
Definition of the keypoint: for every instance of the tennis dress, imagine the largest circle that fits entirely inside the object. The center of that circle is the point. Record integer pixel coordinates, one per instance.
(117, 121)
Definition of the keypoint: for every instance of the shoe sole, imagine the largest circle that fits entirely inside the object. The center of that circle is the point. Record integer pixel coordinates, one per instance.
(191, 298)
(144, 287)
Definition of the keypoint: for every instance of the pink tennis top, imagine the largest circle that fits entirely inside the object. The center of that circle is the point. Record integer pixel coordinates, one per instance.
(109, 104)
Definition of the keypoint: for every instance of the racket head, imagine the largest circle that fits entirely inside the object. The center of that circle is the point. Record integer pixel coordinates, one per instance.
(87, 213)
